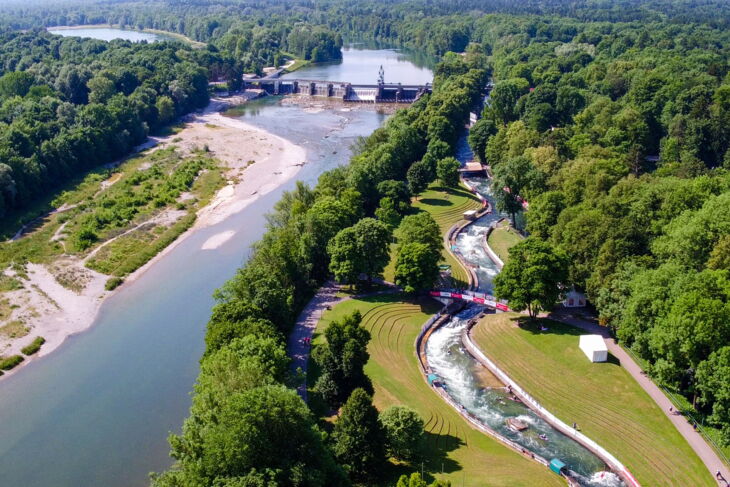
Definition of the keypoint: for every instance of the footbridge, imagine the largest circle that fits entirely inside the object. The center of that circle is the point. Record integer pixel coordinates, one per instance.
(340, 90)
(472, 297)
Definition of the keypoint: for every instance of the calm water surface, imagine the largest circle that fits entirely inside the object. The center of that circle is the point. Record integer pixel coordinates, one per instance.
(97, 411)
(110, 33)
(360, 66)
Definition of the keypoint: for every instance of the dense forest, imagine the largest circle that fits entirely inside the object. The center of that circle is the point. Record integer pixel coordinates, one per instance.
(608, 120)
(68, 105)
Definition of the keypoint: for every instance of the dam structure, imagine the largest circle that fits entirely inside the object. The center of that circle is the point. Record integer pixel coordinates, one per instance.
(380, 92)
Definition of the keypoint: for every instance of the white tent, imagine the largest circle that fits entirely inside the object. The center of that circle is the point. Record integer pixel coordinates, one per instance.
(594, 348)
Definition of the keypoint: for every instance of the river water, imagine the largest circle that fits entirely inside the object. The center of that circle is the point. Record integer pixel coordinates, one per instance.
(109, 33)
(463, 375)
(97, 411)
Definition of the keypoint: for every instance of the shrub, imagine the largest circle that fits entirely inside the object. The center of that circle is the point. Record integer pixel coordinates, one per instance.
(10, 362)
(34, 346)
(113, 283)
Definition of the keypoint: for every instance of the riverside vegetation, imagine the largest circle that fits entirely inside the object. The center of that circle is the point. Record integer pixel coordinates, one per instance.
(609, 121)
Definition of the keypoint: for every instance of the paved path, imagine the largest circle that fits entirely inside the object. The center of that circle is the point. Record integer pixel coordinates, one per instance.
(297, 346)
(693, 437)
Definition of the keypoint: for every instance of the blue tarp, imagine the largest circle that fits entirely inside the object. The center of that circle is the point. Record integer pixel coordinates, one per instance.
(432, 378)
(556, 466)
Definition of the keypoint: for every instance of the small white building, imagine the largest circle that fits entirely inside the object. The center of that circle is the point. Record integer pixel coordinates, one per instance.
(574, 299)
(594, 347)
(470, 215)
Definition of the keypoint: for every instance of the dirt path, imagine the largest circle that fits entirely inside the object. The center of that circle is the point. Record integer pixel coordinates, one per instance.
(685, 428)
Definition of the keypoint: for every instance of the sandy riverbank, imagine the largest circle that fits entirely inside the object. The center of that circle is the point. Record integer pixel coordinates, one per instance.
(256, 163)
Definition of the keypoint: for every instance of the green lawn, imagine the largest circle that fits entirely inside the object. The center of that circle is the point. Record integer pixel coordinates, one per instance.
(502, 239)
(466, 456)
(606, 402)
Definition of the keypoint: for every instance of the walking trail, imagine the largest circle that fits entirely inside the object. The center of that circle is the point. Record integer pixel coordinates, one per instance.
(685, 428)
(299, 344)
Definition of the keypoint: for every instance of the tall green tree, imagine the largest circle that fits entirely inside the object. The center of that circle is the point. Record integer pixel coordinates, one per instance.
(418, 177)
(416, 267)
(359, 438)
(479, 136)
(447, 170)
(360, 249)
(403, 432)
(342, 359)
(533, 276)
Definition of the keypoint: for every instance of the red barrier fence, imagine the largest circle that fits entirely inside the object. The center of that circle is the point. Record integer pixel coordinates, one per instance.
(479, 298)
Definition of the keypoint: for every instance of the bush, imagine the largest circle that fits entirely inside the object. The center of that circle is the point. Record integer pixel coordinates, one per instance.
(10, 362)
(113, 283)
(34, 346)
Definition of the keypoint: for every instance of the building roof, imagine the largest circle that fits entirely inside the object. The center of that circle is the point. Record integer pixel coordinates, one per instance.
(593, 342)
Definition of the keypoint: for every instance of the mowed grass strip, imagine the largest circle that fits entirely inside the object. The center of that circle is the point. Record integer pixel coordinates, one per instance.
(503, 238)
(606, 402)
(465, 456)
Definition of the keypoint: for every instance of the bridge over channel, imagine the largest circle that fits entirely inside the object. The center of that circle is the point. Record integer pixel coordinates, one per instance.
(341, 90)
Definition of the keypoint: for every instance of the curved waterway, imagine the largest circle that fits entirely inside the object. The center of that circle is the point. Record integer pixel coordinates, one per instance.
(464, 375)
(97, 411)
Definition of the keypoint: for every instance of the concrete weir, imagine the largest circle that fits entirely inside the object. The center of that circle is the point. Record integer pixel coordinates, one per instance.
(344, 91)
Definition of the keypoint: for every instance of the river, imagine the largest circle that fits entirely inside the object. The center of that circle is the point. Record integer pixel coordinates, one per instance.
(105, 33)
(98, 410)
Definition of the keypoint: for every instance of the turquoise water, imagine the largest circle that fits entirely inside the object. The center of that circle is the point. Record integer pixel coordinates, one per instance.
(97, 411)
(110, 33)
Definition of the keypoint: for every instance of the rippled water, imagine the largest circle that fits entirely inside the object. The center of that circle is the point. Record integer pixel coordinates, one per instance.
(492, 405)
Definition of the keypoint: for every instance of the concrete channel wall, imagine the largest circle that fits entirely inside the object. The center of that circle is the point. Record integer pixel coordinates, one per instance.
(556, 423)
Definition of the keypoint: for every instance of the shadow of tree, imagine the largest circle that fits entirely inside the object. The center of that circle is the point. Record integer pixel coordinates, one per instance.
(436, 202)
(434, 461)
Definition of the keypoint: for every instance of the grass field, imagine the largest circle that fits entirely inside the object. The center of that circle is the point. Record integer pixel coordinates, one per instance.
(502, 239)
(466, 456)
(606, 402)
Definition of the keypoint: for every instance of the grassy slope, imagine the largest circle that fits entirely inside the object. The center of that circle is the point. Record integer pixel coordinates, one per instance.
(605, 401)
(502, 239)
(447, 207)
(464, 454)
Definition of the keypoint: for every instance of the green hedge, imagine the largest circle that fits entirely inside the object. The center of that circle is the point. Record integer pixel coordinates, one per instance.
(34, 346)
(113, 283)
(10, 362)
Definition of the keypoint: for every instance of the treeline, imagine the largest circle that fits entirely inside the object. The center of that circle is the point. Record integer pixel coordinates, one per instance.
(245, 426)
(616, 136)
(67, 104)
(434, 27)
